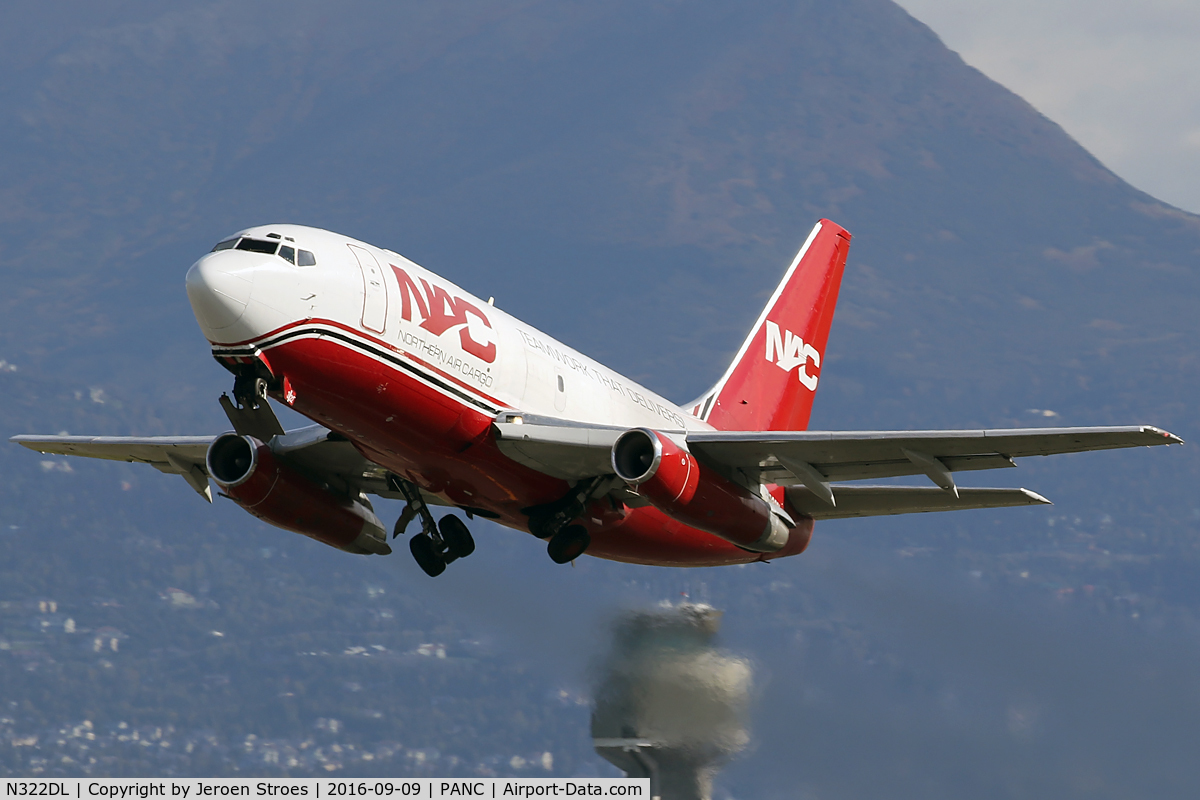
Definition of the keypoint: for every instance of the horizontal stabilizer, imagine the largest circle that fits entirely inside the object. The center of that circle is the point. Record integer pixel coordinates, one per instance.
(879, 501)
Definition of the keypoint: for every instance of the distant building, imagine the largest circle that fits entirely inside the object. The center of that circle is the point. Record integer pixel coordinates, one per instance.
(432, 650)
(107, 638)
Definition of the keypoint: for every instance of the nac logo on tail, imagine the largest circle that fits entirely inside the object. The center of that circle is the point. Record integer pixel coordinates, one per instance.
(791, 352)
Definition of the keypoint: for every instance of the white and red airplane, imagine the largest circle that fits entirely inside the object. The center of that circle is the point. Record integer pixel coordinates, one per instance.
(423, 392)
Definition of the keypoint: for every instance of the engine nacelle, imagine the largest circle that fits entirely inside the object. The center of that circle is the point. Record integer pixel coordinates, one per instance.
(252, 475)
(684, 489)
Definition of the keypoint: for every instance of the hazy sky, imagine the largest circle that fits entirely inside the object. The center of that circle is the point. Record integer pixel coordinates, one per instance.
(1121, 76)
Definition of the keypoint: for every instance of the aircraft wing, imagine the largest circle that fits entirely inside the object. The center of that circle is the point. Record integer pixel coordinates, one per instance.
(775, 457)
(177, 455)
(147, 449)
(815, 459)
(314, 450)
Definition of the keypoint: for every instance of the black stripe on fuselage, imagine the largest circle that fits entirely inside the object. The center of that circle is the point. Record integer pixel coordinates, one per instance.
(357, 343)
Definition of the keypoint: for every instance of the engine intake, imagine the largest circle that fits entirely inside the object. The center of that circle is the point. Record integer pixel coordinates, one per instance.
(637, 455)
(684, 489)
(231, 460)
(250, 474)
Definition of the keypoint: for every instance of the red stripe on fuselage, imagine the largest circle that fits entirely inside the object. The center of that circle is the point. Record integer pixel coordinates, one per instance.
(448, 447)
(267, 342)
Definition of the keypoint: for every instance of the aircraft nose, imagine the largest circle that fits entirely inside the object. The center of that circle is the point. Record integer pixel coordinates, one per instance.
(218, 291)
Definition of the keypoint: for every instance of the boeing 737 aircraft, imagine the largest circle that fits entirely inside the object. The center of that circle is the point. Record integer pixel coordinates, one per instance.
(420, 391)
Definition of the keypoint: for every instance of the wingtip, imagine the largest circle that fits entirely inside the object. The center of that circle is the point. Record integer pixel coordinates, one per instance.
(1036, 499)
(1170, 437)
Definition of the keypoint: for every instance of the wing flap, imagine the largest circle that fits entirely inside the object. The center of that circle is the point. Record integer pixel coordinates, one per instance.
(771, 471)
(876, 501)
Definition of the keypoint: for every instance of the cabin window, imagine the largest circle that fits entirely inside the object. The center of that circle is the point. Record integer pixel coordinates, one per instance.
(305, 259)
(561, 388)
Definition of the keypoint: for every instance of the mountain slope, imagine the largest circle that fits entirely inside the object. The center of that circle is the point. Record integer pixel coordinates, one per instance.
(675, 153)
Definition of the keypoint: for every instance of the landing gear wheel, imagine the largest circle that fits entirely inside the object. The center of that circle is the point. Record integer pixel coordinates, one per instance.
(568, 544)
(249, 391)
(456, 536)
(427, 559)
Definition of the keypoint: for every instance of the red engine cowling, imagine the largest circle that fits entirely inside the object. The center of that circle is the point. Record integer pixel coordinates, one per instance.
(684, 489)
(252, 475)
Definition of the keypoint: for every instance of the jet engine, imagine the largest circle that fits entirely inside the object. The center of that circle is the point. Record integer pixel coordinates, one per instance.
(684, 489)
(250, 474)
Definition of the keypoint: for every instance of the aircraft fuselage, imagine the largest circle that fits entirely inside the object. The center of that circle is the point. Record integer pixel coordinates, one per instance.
(414, 370)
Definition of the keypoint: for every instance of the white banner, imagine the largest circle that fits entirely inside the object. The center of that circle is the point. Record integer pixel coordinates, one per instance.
(326, 789)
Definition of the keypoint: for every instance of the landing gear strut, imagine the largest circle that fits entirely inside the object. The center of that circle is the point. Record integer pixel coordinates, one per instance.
(436, 545)
(252, 416)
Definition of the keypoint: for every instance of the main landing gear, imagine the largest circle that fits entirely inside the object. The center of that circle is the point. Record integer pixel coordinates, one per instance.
(552, 522)
(438, 544)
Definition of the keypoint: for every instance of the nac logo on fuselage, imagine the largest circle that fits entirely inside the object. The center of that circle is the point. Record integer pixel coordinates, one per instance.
(439, 312)
(791, 352)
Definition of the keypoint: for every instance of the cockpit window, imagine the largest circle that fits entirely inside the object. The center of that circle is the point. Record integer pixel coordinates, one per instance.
(290, 254)
(258, 246)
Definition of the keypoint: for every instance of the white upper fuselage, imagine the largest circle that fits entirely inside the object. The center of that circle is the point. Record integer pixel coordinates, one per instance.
(239, 296)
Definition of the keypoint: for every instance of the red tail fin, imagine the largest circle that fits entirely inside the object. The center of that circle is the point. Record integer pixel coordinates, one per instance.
(772, 381)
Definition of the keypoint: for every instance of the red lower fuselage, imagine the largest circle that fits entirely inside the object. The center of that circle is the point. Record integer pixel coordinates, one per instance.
(403, 414)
